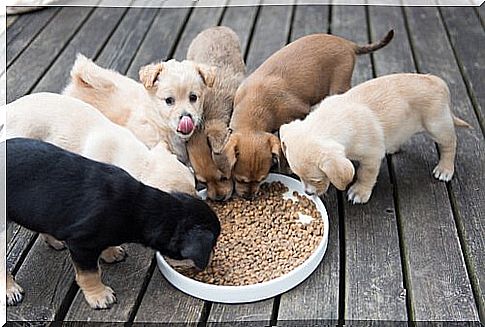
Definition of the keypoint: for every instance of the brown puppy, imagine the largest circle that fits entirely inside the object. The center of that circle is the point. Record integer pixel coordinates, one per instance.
(220, 47)
(283, 89)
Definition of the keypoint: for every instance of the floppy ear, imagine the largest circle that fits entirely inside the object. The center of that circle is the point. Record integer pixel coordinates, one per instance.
(148, 74)
(85, 73)
(339, 170)
(274, 144)
(217, 135)
(207, 73)
(197, 246)
(230, 151)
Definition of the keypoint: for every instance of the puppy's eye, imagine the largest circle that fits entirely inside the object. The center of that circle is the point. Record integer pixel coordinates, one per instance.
(170, 101)
(193, 98)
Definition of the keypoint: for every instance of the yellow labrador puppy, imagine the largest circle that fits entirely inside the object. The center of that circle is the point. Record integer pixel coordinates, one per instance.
(78, 127)
(365, 123)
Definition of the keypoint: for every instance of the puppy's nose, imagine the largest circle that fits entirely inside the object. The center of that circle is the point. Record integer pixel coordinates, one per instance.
(248, 196)
(309, 193)
(219, 198)
(185, 114)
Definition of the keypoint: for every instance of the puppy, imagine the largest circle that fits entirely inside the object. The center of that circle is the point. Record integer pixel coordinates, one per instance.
(283, 89)
(128, 103)
(78, 127)
(218, 47)
(91, 206)
(365, 123)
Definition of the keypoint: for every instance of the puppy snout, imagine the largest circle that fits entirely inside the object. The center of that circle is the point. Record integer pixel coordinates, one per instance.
(248, 195)
(219, 198)
(310, 193)
(185, 114)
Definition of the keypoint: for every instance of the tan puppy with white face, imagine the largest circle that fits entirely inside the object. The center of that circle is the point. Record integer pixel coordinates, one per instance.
(219, 47)
(281, 90)
(365, 123)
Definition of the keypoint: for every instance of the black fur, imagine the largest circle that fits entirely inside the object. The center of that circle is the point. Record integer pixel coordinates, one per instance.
(92, 205)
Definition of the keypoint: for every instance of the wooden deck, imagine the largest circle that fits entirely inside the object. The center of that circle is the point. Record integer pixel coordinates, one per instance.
(416, 252)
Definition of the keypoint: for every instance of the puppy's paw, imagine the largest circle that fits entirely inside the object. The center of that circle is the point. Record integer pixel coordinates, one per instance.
(113, 254)
(359, 193)
(442, 173)
(53, 243)
(101, 298)
(15, 294)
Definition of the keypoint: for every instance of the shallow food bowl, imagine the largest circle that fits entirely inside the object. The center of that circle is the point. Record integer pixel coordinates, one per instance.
(259, 291)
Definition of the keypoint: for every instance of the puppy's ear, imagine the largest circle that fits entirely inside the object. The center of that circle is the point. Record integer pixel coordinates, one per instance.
(197, 246)
(231, 151)
(274, 145)
(217, 135)
(339, 170)
(85, 73)
(148, 74)
(207, 73)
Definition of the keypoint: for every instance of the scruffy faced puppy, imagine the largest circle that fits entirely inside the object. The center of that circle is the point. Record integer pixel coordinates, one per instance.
(365, 123)
(179, 88)
(125, 102)
(218, 47)
(283, 89)
(91, 206)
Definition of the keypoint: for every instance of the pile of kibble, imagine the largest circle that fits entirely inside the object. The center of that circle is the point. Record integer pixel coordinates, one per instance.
(261, 239)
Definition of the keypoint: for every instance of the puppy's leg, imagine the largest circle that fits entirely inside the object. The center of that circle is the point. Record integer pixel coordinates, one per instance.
(443, 132)
(361, 190)
(88, 277)
(53, 242)
(14, 291)
(113, 254)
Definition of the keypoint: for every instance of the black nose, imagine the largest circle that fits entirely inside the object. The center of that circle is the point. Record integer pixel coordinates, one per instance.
(185, 114)
(219, 198)
(309, 193)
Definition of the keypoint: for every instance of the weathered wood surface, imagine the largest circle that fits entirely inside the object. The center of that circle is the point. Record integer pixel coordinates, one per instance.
(24, 73)
(317, 298)
(415, 252)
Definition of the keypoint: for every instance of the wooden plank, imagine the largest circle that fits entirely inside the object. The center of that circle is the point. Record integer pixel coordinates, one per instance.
(250, 314)
(123, 44)
(438, 285)
(241, 20)
(467, 38)
(47, 277)
(317, 298)
(10, 19)
(162, 303)
(160, 40)
(24, 73)
(199, 20)
(269, 34)
(21, 33)
(99, 27)
(127, 279)
(373, 273)
(19, 240)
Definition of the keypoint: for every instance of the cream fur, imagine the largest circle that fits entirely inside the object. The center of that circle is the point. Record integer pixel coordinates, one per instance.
(80, 128)
(365, 123)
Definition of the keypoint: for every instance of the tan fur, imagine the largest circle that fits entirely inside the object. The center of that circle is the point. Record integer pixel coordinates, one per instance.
(365, 123)
(281, 90)
(218, 47)
(98, 295)
(14, 291)
(78, 127)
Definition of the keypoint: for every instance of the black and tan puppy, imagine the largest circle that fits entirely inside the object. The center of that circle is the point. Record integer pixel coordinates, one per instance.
(91, 205)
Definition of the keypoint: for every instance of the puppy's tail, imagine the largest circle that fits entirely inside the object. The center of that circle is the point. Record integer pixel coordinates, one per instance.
(363, 49)
(460, 122)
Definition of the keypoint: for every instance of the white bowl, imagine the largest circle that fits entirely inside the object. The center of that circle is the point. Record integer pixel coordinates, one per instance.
(260, 291)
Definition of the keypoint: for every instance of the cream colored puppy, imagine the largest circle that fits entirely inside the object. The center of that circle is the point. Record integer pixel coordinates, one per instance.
(78, 127)
(145, 112)
(365, 123)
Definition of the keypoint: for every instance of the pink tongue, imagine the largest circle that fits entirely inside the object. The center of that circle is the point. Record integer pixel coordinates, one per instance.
(186, 125)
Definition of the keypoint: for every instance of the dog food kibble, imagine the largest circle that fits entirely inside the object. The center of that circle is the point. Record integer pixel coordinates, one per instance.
(262, 239)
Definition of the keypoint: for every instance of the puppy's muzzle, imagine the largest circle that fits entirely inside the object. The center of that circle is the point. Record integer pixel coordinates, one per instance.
(186, 124)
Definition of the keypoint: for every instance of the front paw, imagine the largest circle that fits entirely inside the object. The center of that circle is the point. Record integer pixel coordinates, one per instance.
(359, 193)
(101, 298)
(15, 294)
(442, 173)
(113, 254)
